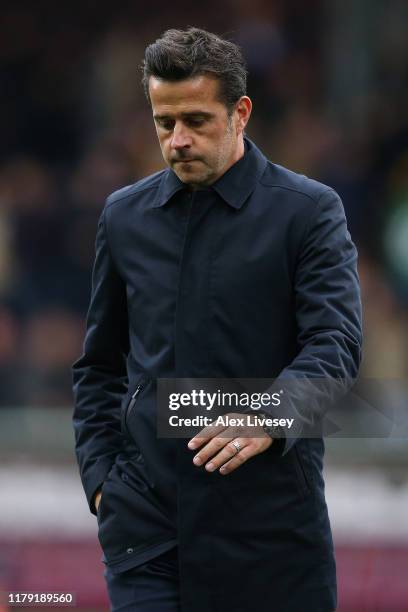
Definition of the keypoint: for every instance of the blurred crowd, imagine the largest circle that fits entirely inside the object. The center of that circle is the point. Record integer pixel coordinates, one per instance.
(330, 98)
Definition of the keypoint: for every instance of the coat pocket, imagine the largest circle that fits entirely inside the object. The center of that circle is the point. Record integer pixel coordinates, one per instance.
(130, 520)
(99, 511)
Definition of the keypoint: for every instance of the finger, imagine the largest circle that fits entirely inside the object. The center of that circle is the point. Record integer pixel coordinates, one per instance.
(236, 461)
(97, 500)
(228, 452)
(222, 430)
(227, 433)
(254, 447)
(211, 449)
(205, 435)
(216, 443)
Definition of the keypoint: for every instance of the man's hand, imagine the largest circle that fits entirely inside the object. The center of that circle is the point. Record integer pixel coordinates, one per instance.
(97, 501)
(219, 448)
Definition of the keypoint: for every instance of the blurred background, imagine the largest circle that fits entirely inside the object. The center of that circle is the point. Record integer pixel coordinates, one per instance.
(328, 80)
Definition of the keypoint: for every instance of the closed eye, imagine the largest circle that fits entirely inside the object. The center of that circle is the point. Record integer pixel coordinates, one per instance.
(195, 122)
(165, 124)
(190, 120)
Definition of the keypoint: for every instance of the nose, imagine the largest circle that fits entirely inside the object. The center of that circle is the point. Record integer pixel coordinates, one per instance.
(181, 138)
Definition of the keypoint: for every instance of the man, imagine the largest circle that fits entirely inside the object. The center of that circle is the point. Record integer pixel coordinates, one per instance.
(224, 265)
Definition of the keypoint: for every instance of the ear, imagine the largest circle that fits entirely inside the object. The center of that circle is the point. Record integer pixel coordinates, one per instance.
(243, 110)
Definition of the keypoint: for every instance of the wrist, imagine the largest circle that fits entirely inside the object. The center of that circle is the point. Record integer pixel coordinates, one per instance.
(273, 431)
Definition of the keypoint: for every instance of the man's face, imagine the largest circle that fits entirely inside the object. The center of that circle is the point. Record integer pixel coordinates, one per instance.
(198, 139)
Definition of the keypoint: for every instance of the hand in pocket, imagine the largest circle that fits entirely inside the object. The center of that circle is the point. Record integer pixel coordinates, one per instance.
(97, 501)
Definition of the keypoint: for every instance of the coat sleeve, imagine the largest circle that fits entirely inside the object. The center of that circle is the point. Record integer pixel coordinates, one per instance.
(100, 374)
(329, 322)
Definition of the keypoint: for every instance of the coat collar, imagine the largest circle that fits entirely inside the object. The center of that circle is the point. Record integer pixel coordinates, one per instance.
(234, 187)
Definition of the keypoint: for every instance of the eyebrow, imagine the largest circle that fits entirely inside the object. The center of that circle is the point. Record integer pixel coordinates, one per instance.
(198, 113)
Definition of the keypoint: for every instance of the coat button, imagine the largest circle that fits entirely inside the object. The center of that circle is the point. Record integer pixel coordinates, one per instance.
(129, 551)
(125, 477)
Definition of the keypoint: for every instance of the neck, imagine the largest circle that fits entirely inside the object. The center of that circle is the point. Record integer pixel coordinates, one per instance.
(239, 152)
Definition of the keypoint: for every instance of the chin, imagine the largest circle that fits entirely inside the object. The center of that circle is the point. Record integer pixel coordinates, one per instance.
(190, 177)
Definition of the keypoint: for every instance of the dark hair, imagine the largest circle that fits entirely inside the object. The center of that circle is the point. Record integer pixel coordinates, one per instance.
(183, 54)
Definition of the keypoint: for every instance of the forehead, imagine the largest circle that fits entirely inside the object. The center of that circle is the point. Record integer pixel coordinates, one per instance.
(200, 92)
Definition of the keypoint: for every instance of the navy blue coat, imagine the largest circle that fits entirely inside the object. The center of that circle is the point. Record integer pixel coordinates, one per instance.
(254, 277)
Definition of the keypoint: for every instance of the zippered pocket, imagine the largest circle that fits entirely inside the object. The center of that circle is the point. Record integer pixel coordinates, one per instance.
(131, 404)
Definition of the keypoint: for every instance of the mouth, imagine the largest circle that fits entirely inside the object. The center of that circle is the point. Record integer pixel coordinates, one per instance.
(184, 161)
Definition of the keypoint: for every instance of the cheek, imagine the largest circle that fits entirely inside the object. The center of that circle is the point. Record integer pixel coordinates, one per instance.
(164, 145)
(161, 137)
(225, 145)
(214, 142)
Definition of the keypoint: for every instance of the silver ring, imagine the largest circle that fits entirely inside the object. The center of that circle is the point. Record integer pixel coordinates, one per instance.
(237, 445)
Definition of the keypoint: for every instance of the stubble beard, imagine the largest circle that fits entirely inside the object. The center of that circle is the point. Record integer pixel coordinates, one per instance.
(212, 170)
